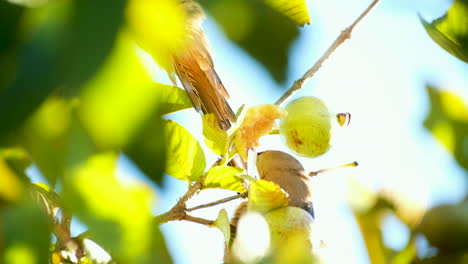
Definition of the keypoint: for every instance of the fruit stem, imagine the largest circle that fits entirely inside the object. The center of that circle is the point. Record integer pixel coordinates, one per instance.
(352, 164)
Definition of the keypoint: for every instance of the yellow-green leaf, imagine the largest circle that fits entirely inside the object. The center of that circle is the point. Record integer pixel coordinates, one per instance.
(451, 30)
(216, 139)
(296, 10)
(223, 224)
(118, 214)
(122, 97)
(265, 196)
(185, 157)
(224, 177)
(159, 27)
(11, 187)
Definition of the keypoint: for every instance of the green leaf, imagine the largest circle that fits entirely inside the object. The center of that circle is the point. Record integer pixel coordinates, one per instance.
(296, 10)
(118, 214)
(168, 17)
(10, 20)
(65, 47)
(148, 151)
(216, 139)
(223, 224)
(254, 26)
(11, 187)
(17, 159)
(185, 157)
(45, 197)
(26, 234)
(448, 122)
(122, 97)
(265, 196)
(451, 30)
(45, 134)
(224, 177)
(172, 99)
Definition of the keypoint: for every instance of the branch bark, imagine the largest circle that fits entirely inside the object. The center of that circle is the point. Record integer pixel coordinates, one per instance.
(345, 34)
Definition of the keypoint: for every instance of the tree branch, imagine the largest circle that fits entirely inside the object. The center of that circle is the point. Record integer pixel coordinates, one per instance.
(198, 220)
(345, 34)
(241, 195)
(178, 212)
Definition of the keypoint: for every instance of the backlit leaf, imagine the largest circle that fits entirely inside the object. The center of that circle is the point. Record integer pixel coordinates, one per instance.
(159, 27)
(216, 138)
(448, 122)
(122, 97)
(118, 215)
(254, 26)
(296, 10)
(223, 224)
(265, 196)
(224, 177)
(26, 234)
(451, 30)
(185, 157)
(64, 48)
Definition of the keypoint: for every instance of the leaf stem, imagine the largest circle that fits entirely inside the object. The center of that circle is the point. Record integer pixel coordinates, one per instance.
(227, 199)
(344, 35)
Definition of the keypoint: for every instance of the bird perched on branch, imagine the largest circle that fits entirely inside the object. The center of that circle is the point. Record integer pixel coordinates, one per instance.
(286, 171)
(195, 69)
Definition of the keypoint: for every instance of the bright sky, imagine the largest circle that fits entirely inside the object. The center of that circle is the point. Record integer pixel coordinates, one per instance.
(379, 77)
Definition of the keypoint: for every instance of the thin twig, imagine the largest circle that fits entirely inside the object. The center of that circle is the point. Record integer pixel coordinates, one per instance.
(198, 220)
(241, 195)
(178, 212)
(344, 35)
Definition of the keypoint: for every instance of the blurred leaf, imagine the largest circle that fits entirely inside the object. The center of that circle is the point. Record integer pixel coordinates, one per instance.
(451, 30)
(148, 151)
(29, 3)
(10, 18)
(64, 49)
(223, 224)
(185, 157)
(45, 136)
(216, 139)
(224, 177)
(371, 232)
(159, 27)
(17, 159)
(407, 254)
(370, 222)
(11, 187)
(118, 215)
(47, 199)
(296, 10)
(265, 196)
(122, 97)
(254, 26)
(448, 122)
(25, 234)
(446, 227)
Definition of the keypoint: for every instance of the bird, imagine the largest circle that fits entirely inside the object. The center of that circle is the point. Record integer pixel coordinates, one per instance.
(289, 174)
(195, 69)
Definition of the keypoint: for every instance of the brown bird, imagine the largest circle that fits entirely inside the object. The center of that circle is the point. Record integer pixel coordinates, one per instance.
(286, 171)
(195, 69)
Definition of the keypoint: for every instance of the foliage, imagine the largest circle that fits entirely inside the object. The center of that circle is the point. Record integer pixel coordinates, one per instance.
(78, 91)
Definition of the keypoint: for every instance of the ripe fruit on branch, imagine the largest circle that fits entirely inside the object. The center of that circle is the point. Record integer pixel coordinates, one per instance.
(289, 224)
(307, 127)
